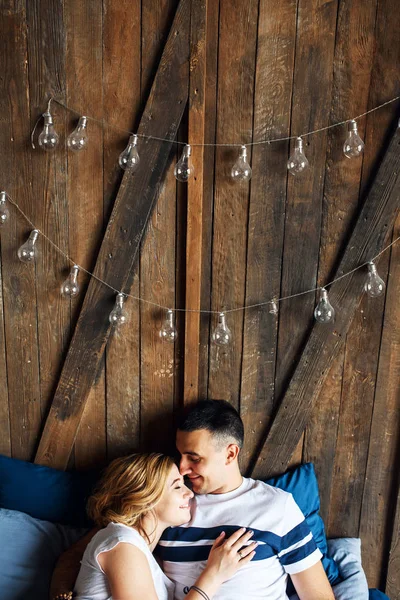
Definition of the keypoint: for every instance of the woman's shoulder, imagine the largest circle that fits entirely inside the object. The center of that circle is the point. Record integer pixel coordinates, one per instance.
(114, 533)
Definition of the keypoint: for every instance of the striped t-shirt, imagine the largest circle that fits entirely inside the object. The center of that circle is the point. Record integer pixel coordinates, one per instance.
(286, 545)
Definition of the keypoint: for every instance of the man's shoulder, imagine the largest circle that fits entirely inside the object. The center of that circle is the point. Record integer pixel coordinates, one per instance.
(260, 488)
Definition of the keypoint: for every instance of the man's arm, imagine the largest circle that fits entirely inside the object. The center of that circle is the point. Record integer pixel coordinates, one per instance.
(68, 565)
(313, 584)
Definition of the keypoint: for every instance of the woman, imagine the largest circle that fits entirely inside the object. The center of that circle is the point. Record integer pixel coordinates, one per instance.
(138, 497)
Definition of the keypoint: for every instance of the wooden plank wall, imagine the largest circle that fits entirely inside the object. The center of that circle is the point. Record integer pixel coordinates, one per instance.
(273, 69)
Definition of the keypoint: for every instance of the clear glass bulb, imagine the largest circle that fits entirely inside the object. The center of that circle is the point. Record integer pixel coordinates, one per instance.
(78, 139)
(241, 170)
(129, 159)
(273, 307)
(184, 167)
(222, 334)
(374, 286)
(4, 212)
(118, 315)
(353, 145)
(324, 311)
(297, 161)
(48, 139)
(70, 288)
(27, 252)
(168, 331)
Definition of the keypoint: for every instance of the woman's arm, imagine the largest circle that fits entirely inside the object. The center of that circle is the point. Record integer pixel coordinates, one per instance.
(68, 565)
(128, 573)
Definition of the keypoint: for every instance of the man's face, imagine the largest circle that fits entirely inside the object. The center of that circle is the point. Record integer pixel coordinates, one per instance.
(202, 461)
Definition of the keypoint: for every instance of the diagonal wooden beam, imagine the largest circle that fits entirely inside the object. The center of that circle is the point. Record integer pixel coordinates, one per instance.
(119, 252)
(373, 225)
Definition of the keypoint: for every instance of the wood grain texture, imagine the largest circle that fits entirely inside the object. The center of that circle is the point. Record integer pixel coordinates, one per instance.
(337, 445)
(273, 91)
(194, 227)
(236, 60)
(19, 285)
(84, 72)
(367, 239)
(393, 575)
(121, 102)
(157, 263)
(120, 247)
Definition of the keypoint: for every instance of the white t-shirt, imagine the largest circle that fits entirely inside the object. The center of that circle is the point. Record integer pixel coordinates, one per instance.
(286, 545)
(92, 582)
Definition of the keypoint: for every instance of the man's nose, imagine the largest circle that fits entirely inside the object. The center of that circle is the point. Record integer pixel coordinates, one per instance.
(184, 467)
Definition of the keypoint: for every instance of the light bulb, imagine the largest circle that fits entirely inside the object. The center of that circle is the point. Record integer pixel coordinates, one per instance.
(168, 331)
(70, 287)
(4, 212)
(222, 335)
(129, 159)
(324, 311)
(241, 170)
(27, 252)
(353, 145)
(297, 161)
(78, 139)
(118, 315)
(184, 167)
(374, 286)
(273, 307)
(48, 139)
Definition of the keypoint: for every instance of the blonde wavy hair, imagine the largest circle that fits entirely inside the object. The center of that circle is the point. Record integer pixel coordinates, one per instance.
(129, 488)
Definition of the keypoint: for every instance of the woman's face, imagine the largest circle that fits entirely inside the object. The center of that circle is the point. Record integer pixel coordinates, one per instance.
(174, 506)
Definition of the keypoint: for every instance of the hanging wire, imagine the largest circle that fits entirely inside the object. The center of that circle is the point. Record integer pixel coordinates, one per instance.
(264, 141)
(193, 310)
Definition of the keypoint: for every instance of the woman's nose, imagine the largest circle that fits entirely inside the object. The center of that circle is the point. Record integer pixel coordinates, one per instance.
(188, 492)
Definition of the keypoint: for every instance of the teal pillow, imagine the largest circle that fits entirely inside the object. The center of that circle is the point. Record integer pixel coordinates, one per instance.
(45, 493)
(302, 483)
(29, 550)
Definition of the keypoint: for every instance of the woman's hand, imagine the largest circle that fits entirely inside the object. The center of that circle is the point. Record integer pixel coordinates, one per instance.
(227, 556)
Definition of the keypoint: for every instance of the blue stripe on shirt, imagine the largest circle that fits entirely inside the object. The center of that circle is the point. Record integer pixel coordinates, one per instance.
(295, 535)
(197, 534)
(298, 554)
(193, 553)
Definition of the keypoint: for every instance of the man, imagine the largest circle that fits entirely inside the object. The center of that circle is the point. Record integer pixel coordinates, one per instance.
(209, 439)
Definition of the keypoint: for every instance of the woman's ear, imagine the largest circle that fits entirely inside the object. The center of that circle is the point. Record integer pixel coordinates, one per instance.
(232, 453)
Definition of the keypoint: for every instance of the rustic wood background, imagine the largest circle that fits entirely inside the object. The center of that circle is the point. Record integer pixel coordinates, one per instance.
(272, 69)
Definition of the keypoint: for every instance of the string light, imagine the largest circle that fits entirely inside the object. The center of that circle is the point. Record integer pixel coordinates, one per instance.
(129, 159)
(70, 288)
(222, 335)
(184, 169)
(193, 310)
(297, 161)
(4, 212)
(233, 145)
(48, 138)
(27, 252)
(324, 311)
(118, 315)
(168, 331)
(353, 145)
(374, 286)
(241, 170)
(78, 139)
(273, 308)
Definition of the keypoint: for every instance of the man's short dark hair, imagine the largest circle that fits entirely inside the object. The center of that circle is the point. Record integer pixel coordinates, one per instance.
(219, 417)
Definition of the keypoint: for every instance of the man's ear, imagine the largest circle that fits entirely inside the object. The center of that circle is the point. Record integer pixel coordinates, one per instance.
(232, 452)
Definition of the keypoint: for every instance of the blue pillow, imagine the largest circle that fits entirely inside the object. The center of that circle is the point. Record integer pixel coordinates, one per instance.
(29, 550)
(377, 595)
(302, 483)
(45, 493)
